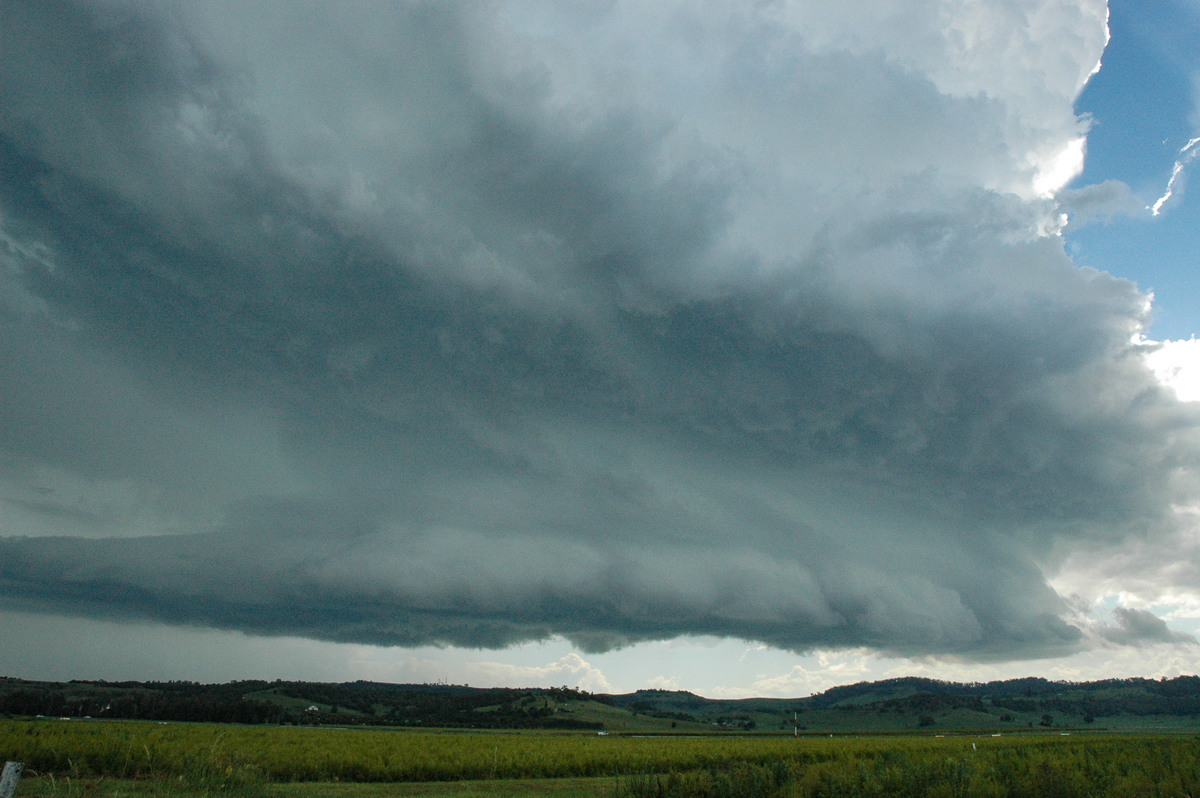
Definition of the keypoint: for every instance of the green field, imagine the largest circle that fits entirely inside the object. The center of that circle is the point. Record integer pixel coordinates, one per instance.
(106, 758)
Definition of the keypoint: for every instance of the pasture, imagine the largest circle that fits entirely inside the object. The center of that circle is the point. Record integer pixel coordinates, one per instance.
(106, 758)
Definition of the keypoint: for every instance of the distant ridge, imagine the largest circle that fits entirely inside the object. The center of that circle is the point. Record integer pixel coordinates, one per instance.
(900, 703)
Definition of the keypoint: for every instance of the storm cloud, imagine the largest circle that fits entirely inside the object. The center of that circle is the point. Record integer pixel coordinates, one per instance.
(481, 323)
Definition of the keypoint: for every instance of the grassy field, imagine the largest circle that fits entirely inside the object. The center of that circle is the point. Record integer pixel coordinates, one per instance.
(39, 787)
(103, 758)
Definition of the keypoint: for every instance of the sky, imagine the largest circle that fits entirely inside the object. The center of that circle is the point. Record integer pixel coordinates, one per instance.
(741, 348)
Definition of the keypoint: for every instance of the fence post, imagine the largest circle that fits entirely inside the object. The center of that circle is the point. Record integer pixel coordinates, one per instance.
(9, 778)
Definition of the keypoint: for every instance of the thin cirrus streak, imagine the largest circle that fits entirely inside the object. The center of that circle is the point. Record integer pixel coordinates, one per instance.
(1187, 154)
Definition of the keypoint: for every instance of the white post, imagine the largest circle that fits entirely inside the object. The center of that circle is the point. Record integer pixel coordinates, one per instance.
(9, 778)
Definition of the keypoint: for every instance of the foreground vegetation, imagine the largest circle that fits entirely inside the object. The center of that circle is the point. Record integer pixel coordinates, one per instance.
(79, 758)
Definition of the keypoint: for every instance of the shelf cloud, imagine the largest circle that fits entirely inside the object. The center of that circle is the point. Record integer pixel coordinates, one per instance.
(481, 323)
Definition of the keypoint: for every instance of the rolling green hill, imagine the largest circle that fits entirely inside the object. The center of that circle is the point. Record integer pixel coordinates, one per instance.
(894, 704)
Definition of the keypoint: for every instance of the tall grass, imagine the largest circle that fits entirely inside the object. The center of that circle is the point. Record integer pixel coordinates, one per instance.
(233, 760)
(1081, 768)
(132, 750)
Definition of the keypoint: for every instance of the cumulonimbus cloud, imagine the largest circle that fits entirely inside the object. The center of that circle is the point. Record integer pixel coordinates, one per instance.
(480, 324)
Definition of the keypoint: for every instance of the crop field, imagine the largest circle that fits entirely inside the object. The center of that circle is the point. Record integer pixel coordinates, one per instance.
(103, 758)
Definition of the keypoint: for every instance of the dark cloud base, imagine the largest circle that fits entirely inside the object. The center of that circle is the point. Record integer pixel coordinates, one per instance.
(324, 591)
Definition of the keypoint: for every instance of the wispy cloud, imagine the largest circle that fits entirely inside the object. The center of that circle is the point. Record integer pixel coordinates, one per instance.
(1187, 154)
(1097, 202)
(1133, 627)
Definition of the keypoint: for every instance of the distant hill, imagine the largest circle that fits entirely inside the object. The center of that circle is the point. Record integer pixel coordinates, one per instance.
(893, 704)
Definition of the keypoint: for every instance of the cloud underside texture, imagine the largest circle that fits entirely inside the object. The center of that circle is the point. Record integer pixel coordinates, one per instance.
(476, 324)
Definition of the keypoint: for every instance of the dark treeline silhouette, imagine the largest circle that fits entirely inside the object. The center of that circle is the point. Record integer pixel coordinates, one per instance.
(1133, 696)
(223, 703)
(461, 706)
(297, 703)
